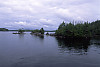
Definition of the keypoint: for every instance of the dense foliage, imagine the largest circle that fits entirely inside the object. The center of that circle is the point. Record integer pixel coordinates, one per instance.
(21, 31)
(80, 29)
(38, 31)
(42, 31)
(3, 29)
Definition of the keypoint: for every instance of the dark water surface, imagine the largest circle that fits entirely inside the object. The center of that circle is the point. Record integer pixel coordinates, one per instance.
(25, 50)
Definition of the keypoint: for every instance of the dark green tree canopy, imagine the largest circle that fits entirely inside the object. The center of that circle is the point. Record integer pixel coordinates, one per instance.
(3, 29)
(61, 25)
(42, 31)
(38, 31)
(35, 31)
(21, 31)
(80, 29)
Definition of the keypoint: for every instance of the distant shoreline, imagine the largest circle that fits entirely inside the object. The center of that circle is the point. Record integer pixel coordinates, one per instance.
(28, 30)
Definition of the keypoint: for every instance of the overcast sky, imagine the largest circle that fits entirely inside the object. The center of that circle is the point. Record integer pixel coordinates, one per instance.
(34, 14)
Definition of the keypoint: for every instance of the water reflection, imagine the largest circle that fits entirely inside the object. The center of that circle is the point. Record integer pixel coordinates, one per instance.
(38, 37)
(41, 37)
(21, 36)
(95, 41)
(73, 46)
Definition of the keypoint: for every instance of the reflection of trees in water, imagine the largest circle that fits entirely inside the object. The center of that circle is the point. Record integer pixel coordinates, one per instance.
(73, 46)
(95, 41)
(21, 35)
(38, 36)
(42, 37)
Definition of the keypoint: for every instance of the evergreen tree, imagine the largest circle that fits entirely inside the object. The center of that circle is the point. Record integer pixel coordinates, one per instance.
(21, 31)
(61, 25)
(81, 29)
(42, 31)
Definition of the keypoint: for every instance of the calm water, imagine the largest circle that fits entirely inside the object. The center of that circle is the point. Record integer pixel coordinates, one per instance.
(25, 50)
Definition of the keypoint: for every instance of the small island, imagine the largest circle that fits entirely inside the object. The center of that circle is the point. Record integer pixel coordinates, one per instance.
(38, 32)
(20, 31)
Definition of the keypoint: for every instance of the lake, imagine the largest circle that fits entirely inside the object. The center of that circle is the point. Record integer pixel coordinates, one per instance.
(26, 50)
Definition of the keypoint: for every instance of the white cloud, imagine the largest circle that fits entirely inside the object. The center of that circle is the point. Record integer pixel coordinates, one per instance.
(46, 13)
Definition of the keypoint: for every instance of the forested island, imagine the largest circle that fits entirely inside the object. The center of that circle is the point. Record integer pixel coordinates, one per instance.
(85, 29)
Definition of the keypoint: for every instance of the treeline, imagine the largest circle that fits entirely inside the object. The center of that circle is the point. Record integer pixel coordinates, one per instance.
(3, 29)
(21, 31)
(41, 31)
(85, 29)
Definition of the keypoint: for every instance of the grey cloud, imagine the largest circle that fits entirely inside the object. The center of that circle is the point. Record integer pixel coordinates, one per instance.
(52, 12)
